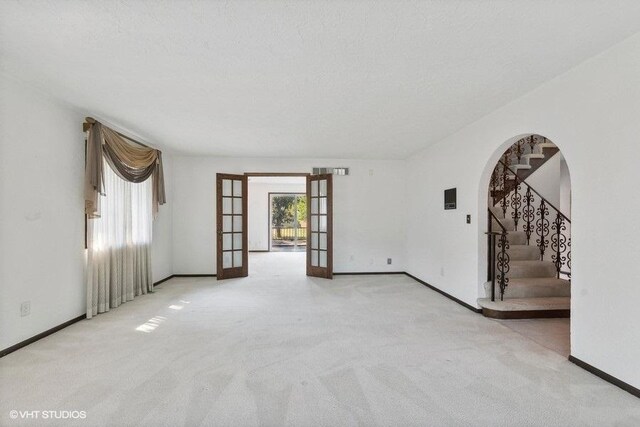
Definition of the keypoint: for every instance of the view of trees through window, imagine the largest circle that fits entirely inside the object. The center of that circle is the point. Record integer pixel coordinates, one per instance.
(288, 222)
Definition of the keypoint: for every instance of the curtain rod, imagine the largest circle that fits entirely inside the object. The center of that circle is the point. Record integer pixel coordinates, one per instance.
(88, 121)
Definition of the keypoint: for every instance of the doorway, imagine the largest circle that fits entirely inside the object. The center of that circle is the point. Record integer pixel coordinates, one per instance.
(528, 237)
(274, 210)
(288, 222)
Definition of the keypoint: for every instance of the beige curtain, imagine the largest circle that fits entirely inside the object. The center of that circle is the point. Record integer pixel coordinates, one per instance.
(93, 174)
(131, 161)
(119, 250)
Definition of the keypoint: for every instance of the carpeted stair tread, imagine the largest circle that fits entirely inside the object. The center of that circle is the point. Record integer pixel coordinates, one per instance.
(531, 269)
(532, 287)
(522, 252)
(497, 211)
(515, 238)
(507, 223)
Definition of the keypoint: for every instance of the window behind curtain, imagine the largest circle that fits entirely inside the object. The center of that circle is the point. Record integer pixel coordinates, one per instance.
(126, 214)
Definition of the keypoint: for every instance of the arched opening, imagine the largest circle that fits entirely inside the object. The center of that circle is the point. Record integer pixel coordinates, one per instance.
(527, 239)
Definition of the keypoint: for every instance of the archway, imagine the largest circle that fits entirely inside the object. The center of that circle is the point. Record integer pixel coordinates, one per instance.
(527, 232)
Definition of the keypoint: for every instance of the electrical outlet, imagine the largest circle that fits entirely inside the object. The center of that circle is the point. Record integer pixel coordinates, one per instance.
(351, 258)
(468, 219)
(389, 261)
(442, 271)
(25, 308)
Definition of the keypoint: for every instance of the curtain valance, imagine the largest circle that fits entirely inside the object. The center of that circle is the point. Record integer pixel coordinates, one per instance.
(130, 160)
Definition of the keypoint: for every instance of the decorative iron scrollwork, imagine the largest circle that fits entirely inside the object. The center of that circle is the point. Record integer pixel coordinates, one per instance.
(502, 263)
(494, 184)
(518, 149)
(516, 204)
(528, 214)
(542, 228)
(558, 242)
(504, 181)
(569, 257)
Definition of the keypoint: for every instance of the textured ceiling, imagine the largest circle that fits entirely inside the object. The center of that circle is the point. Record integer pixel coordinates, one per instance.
(300, 79)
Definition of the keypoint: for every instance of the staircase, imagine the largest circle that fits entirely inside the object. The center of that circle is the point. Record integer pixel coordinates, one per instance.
(523, 158)
(533, 288)
(530, 253)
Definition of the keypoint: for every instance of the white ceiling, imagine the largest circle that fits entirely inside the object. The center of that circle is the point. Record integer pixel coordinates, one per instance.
(371, 79)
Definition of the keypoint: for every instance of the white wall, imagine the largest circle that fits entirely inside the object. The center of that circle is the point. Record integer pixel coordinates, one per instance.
(546, 180)
(565, 189)
(42, 255)
(258, 207)
(591, 113)
(162, 246)
(41, 212)
(369, 210)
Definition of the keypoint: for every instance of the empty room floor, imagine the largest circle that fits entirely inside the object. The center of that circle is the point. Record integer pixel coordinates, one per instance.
(284, 349)
(553, 334)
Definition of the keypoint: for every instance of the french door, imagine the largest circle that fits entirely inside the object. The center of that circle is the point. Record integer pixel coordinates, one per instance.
(231, 226)
(320, 226)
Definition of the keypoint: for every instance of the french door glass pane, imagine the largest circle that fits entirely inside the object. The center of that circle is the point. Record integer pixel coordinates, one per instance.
(314, 258)
(314, 240)
(323, 187)
(227, 260)
(314, 188)
(237, 258)
(323, 223)
(226, 205)
(237, 223)
(226, 242)
(226, 223)
(314, 205)
(237, 188)
(323, 205)
(226, 187)
(237, 240)
(237, 206)
(323, 258)
(323, 241)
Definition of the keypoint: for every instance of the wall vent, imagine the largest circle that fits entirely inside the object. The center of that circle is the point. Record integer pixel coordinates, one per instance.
(332, 170)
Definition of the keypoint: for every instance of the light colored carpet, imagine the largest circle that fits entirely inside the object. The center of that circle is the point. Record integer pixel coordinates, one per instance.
(550, 333)
(279, 348)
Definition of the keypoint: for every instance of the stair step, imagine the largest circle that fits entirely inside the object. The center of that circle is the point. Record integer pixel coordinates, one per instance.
(507, 223)
(526, 308)
(517, 238)
(519, 269)
(533, 156)
(497, 211)
(543, 145)
(523, 253)
(535, 287)
(518, 166)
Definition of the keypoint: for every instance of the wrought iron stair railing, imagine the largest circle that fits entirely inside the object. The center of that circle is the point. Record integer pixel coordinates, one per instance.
(543, 224)
(498, 263)
(531, 146)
